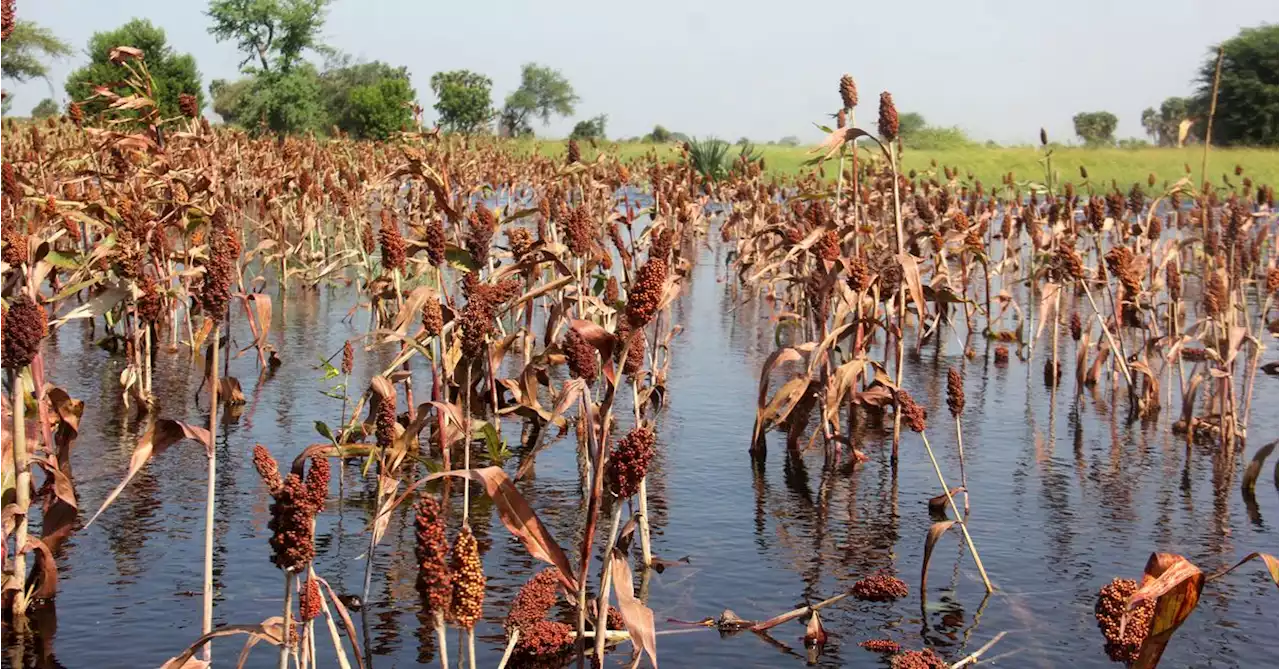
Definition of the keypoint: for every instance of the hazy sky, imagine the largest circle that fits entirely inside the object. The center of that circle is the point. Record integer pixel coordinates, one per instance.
(998, 69)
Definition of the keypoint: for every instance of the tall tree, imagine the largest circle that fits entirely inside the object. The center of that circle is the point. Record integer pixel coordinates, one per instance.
(1249, 94)
(172, 73)
(1151, 123)
(590, 129)
(23, 53)
(463, 100)
(274, 32)
(1096, 128)
(1173, 111)
(543, 92)
(366, 100)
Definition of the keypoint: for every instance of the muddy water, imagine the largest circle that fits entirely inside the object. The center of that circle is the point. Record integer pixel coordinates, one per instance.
(1065, 495)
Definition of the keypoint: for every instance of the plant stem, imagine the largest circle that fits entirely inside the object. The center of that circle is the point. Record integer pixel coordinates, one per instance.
(442, 638)
(288, 606)
(1213, 109)
(22, 484)
(963, 482)
(511, 646)
(964, 525)
(602, 598)
(206, 624)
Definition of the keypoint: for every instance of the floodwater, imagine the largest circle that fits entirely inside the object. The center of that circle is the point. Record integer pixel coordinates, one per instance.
(1065, 495)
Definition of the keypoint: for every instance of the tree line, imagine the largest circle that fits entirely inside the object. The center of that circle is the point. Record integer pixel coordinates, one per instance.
(1247, 104)
(282, 91)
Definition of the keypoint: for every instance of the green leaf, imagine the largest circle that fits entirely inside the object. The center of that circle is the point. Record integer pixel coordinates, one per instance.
(61, 260)
(461, 259)
(323, 429)
(824, 128)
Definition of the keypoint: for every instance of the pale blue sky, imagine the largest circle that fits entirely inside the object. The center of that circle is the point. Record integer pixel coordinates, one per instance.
(999, 69)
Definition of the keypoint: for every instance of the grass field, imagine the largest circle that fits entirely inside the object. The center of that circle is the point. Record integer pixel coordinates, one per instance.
(989, 164)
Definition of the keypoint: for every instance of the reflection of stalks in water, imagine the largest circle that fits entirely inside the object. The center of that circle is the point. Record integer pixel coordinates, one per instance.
(206, 624)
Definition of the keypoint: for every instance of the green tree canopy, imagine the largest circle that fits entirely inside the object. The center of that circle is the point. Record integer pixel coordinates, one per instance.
(228, 99)
(173, 74)
(288, 101)
(543, 92)
(463, 100)
(275, 33)
(45, 109)
(592, 128)
(366, 100)
(659, 135)
(1248, 107)
(1096, 128)
(1173, 111)
(22, 56)
(910, 123)
(1151, 123)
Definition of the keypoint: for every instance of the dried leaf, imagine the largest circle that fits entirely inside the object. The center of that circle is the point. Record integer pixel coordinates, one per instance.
(270, 630)
(637, 617)
(911, 275)
(1273, 567)
(1175, 585)
(163, 434)
(516, 514)
(346, 622)
(1255, 466)
(930, 540)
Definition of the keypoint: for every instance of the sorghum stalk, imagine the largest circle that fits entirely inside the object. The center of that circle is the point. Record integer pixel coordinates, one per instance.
(606, 580)
(964, 526)
(288, 606)
(22, 487)
(902, 303)
(1111, 340)
(206, 624)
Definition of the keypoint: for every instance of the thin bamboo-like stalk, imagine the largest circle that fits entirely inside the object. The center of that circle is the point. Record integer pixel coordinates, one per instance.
(1213, 109)
(442, 638)
(964, 483)
(206, 623)
(511, 646)
(286, 625)
(964, 525)
(22, 484)
(606, 579)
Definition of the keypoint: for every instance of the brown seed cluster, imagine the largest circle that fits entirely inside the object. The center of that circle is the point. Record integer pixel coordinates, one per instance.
(24, 327)
(1273, 281)
(579, 233)
(434, 580)
(635, 352)
(955, 392)
(918, 659)
(291, 540)
(483, 300)
(480, 234)
(432, 317)
(367, 241)
(828, 246)
(848, 92)
(385, 420)
(1113, 600)
(393, 251)
(580, 356)
(1173, 278)
(1069, 265)
(520, 240)
(890, 281)
(629, 461)
(886, 646)
(435, 240)
(880, 588)
(1215, 295)
(1077, 326)
(1123, 264)
(267, 468)
(859, 276)
(913, 415)
(611, 295)
(467, 604)
(188, 105)
(888, 125)
(224, 248)
(76, 113)
(150, 303)
(309, 600)
(574, 153)
(8, 18)
(544, 638)
(534, 600)
(645, 293)
(348, 357)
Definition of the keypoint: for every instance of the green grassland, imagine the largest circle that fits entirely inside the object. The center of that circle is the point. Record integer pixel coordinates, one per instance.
(990, 164)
